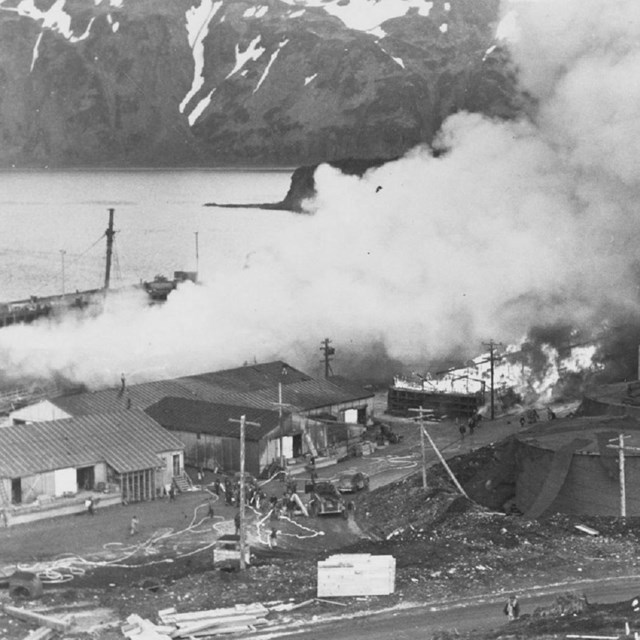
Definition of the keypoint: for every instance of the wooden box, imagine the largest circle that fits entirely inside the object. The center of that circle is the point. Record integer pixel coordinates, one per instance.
(357, 574)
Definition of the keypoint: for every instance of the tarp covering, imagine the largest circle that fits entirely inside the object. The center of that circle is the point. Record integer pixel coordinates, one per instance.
(555, 479)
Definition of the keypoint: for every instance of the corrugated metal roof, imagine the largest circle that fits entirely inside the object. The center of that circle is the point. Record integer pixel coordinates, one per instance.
(198, 416)
(254, 377)
(251, 386)
(126, 440)
(139, 396)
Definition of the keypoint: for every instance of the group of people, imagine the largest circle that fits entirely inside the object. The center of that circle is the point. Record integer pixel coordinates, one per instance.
(512, 608)
(472, 424)
(253, 495)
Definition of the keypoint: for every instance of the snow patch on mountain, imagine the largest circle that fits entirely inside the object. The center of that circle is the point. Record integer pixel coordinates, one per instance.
(252, 52)
(55, 19)
(378, 32)
(274, 55)
(365, 15)
(198, 19)
(200, 107)
(256, 12)
(398, 61)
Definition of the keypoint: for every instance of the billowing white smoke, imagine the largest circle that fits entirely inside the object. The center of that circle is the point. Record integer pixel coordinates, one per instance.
(517, 224)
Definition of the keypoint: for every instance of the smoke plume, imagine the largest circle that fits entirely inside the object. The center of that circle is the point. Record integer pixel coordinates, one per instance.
(512, 224)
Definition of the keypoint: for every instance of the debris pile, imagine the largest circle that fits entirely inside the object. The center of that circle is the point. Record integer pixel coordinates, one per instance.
(240, 618)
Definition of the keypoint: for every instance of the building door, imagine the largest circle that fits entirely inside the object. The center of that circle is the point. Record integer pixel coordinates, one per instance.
(85, 478)
(297, 445)
(16, 491)
(176, 464)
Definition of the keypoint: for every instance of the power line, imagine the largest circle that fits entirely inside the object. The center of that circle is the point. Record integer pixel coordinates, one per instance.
(328, 353)
(492, 345)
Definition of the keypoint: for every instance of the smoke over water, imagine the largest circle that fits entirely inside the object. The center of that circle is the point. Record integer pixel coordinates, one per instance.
(512, 225)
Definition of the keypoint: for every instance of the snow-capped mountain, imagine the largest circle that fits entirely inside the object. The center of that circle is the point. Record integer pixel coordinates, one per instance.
(211, 82)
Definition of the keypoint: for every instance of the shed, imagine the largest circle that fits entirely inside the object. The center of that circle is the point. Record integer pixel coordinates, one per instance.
(126, 453)
(212, 440)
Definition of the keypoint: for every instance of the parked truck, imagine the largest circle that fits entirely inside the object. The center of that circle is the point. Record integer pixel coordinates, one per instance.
(325, 499)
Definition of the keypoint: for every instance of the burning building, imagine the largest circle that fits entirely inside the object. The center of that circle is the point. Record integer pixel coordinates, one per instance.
(433, 396)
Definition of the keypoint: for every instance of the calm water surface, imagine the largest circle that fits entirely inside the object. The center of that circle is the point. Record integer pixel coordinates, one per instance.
(157, 214)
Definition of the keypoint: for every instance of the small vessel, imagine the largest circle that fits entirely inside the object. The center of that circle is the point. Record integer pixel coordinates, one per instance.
(88, 301)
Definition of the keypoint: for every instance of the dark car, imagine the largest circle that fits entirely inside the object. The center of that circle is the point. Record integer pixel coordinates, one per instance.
(352, 482)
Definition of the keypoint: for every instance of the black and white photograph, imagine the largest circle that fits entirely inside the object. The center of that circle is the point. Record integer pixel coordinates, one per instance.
(319, 319)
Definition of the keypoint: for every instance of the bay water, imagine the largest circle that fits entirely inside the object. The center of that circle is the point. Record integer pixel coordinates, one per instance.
(52, 225)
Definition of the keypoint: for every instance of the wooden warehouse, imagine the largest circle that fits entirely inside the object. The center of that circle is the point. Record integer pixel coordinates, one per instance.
(50, 468)
(212, 438)
(443, 404)
(256, 386)
(569, 466)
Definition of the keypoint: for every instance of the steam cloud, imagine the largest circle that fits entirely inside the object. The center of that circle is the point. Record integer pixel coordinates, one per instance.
(516, 224)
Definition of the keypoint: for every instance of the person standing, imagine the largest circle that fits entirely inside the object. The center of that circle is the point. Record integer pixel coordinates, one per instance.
(472, 425)
(512, 608)
(133, 527)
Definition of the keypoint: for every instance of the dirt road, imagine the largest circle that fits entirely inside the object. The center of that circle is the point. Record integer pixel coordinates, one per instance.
(465, 614)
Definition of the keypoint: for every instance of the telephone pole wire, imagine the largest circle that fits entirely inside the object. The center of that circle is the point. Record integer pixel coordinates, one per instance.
(243, 535)
(328, 352)
(491, 345)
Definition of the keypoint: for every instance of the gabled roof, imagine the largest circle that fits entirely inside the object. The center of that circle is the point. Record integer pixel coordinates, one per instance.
(197, 416)
(125, 440)
(254, 386)
(138, 396)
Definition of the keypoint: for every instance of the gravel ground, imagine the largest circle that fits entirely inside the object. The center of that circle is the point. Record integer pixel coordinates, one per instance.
(444, 545)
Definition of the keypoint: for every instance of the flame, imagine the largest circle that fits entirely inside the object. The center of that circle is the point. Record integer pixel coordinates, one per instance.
(534, 380)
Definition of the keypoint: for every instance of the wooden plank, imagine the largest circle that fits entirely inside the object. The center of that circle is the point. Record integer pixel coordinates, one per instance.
(41, 633)
(260, 622)
(41, 620)
(239, 609)
(193, 627)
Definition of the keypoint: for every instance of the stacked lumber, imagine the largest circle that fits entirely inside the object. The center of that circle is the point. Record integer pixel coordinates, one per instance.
(141, 629)
(356, 574)
(195, 624)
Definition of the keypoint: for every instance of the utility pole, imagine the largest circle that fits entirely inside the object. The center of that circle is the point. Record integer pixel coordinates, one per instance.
(109, 233)
(420, 411)
(623, 482)
(492, 346)
(197, 256)
(444, 462)
(328, 352)
(243, 537)
(62, 254)
(280, 406)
